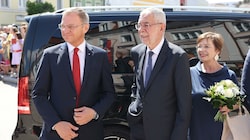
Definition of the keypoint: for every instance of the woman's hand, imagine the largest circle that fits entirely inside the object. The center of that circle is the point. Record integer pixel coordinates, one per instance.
(224, 109)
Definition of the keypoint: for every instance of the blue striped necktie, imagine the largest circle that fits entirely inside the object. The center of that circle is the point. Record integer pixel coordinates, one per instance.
(148, 68)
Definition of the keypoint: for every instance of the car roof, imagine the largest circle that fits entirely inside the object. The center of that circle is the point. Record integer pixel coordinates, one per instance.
(172, 15)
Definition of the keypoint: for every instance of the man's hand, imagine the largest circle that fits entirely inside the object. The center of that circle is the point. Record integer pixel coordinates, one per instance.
(66, 130)
(83, 115)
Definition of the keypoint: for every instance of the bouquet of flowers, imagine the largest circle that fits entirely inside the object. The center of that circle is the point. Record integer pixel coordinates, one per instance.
(224, 93)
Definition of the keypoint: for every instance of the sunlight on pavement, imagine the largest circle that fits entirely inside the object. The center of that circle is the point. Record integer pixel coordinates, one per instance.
(8, 108)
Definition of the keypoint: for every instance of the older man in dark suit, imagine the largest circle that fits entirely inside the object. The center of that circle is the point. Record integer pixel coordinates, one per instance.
(161, 105)
(74, 86)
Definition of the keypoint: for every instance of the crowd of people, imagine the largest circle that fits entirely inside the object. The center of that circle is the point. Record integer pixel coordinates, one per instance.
(11, 44)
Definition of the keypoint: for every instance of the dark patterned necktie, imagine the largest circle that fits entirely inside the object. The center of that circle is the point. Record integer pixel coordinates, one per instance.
(148, 68)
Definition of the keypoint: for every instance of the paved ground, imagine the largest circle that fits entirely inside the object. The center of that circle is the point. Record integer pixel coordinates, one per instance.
(8, 106)
(8, 79)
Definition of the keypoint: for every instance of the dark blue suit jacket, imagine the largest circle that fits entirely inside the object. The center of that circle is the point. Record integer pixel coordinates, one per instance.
(245, 80)
(54, 93)
(166, 101)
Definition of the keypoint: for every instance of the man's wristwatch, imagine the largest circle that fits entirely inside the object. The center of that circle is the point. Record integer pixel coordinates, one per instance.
(96, 116)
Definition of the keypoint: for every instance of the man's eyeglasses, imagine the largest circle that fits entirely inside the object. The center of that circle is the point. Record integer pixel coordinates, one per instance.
(145, 25)
(70, 27)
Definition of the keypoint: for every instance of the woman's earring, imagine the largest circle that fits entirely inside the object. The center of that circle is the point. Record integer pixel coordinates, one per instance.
(216, 57)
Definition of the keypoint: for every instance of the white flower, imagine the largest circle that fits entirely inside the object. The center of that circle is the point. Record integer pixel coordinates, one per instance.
(235, 90)
(225, 92)
(229, 83)
(219, 90)
(228, 93)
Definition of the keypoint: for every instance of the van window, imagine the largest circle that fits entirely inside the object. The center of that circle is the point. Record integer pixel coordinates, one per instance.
(118, 37)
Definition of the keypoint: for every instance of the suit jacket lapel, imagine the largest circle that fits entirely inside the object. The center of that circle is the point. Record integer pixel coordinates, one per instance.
(66, 62)
(159, 62)
(141, 64)
(88, 63)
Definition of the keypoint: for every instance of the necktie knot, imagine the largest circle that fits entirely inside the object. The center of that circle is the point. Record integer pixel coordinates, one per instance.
(150, 54)
(76, 50)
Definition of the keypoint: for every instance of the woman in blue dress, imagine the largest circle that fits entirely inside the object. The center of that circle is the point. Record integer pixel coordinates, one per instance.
(204, 74)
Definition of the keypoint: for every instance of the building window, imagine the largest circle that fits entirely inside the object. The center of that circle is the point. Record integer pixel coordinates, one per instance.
(186, 35)
(77, 4)
(123, 23)
(242, 27)
(59, 4)
(126, 38)
(22, 3)
(4, 3)
(98, 4)
(88, 3)
(103, 27)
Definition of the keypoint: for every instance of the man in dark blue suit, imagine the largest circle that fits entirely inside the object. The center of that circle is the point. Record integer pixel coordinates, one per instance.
(69, 111)
(161, 106)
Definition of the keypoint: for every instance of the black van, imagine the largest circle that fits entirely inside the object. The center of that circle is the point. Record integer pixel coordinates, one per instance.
(114, 31)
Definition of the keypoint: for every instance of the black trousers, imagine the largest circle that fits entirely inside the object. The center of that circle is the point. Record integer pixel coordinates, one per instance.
(136, 127)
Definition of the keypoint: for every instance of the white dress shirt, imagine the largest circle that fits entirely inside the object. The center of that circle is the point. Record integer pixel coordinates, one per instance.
(156, 51)
(81, 54)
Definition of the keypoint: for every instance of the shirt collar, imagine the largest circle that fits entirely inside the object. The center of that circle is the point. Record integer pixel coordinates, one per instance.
(81, 47)
(157, 49)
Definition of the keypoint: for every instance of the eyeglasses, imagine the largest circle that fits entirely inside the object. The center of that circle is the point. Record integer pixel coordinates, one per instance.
(70, 27)
(145, 25)
(204, 47)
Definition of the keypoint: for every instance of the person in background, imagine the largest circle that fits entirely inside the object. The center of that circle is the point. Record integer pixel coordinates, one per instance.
(161, 101)
(204, 74)
(2, 39)
(193, 60)
(5, 62)
(1, 53)
(16, 49)
(119, 64)
(245, 80)
(23, 29)
(74, 87)
(123, 62)
(9, 41)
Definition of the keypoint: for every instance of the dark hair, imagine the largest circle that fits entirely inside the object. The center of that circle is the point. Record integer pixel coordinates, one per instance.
(19, 36)
(15, 29)
(14, 25)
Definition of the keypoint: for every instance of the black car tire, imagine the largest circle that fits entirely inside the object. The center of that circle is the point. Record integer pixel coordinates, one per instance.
(116, 133)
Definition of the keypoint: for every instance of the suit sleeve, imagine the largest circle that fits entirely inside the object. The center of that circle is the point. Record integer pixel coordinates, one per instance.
(41, 92)
(183, 92)
(134, 56)
(107, 90)
(245, 80)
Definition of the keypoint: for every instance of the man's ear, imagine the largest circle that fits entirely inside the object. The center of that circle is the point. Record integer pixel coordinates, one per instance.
(86, 27)
(163, 27)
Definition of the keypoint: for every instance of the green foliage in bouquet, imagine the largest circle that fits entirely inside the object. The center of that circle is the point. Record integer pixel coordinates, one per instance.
(224, 93)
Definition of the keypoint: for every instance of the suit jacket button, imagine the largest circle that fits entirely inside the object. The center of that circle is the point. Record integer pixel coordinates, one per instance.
(74, 98)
